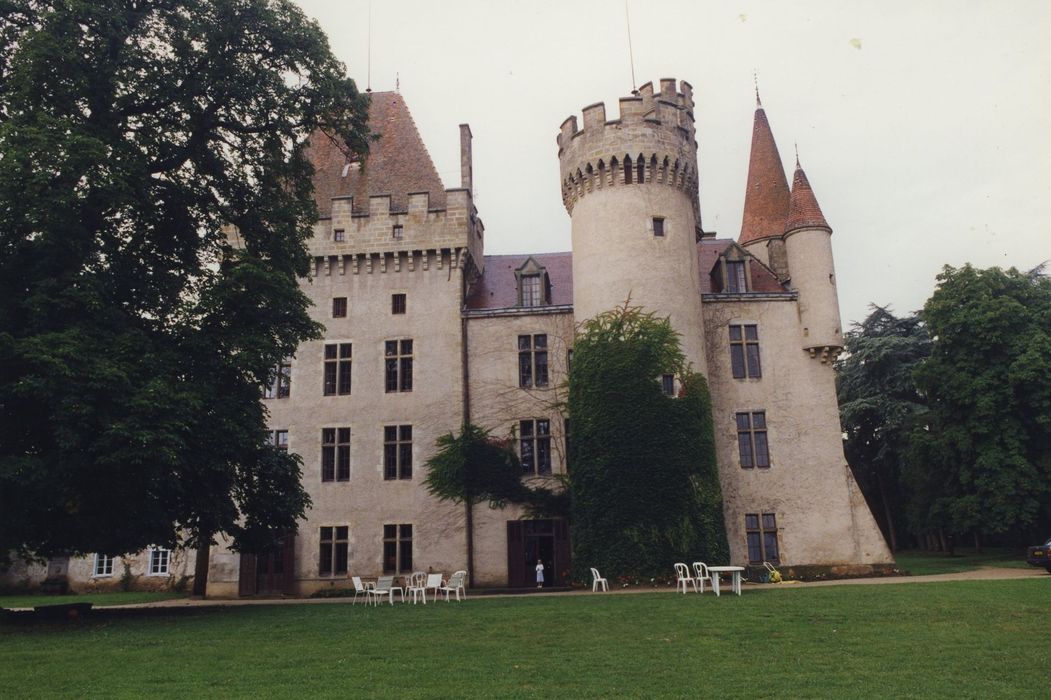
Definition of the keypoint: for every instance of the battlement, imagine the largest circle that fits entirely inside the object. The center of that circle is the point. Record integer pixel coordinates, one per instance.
(652, 142)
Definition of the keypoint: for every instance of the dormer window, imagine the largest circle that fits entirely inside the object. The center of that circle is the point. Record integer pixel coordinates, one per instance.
(534, 287)
(736, 282)
(731, 274)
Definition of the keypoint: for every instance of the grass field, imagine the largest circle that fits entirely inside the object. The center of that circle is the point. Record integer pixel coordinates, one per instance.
(958, 639)
(99, 599)
(921, 563)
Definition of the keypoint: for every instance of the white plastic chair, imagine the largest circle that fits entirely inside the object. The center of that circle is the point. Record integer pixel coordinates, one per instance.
(360, 589)
(385, 587)
(683, 578)
(597, 580)
(434, 583)
(701, 569)
(414, 586)
(455, 585)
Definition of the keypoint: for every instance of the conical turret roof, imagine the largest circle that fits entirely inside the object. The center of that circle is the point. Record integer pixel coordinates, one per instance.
(766, 197)
(803, 211)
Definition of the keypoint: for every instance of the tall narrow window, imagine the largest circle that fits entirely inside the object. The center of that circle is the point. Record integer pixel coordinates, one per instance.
(627, 170)
(531, 290)
(332, 554)
(397, 549)
(535, 446)
(532, 361)
(668, 384)
(160, 561)
(640, 169)
(281, 385)
(397, 303)
(338, 358)
(103, 565)
(736, 281)
(398, 359)
(744, 351)
(339, 307)
(280, 438)
(397, 452)
(751, 439)
(761, 531)
(658, 226)
(335, 454)
(398, 232)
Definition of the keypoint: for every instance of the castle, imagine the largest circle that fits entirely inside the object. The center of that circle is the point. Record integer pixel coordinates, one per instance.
(425, 332)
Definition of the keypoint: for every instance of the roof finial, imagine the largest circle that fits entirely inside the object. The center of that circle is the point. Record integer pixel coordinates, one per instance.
(755, 76)
(368, 83)
(797, 153)
(631, 54)
(397, 82)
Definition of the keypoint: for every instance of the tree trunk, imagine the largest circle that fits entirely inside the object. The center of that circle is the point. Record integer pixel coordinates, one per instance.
(200, 569)
(469, 522)
(891, 533)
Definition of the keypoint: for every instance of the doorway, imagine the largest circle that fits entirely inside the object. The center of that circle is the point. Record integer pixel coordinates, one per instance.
(532, 540)
(269, 573)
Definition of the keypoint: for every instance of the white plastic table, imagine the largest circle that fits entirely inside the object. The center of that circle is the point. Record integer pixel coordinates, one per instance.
(735, 570)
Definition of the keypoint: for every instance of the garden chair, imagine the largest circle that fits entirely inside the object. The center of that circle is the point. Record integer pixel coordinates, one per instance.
(434, 583)
(360, 589)
(385, 587)
(701, 569)
(683, 578)
(455, 585)
(597, 580)
(414, 586)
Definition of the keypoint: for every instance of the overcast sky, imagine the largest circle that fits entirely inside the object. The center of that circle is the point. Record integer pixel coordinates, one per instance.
(923, 125)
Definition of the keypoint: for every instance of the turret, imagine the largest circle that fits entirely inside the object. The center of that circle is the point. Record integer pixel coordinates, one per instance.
(766, 198)
(808, 245)
(630, 187)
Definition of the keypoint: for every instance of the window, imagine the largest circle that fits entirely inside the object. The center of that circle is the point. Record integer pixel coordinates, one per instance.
(398, 232)
(531, 295)
(532, 360)
(397, 549)
(398, 365)
(751, 439)
(397, 452)
(744, 351)
(332, 556)
(338, 235)
(761, 531)
(335, 454)
(569, 360)
(339, 307)
(281, 385)
(160, 559)
(397, 303)
(535, 446)
(103, 565)
(658, 226)
(668, 384)
(736, 282)
(337, 368)
(279, 439)
(568, 440)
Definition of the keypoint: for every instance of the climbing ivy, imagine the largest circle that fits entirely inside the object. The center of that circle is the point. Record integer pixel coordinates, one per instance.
(644, 483)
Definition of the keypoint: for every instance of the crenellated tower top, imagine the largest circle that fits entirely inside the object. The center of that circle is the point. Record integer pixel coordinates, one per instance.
(653, 142)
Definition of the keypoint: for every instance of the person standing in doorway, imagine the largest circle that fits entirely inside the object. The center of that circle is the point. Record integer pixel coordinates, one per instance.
(539, 573)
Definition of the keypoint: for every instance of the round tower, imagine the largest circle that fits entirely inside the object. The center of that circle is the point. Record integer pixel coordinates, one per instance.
(808, 246)
(630, 187)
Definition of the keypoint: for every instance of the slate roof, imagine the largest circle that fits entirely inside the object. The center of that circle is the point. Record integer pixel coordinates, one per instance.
(398, 162)
(766, 197)
(497, 289)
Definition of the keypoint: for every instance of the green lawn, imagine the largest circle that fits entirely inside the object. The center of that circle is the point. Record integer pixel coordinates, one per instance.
(99, 599)
(969, 639)
(921, 563)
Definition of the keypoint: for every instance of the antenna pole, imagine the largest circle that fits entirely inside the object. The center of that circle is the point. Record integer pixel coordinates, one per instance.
(368, 87)
(631, 54)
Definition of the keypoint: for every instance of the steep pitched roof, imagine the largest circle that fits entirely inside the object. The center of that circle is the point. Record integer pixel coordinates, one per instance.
(803, 211)
(766, 194)
(498, 287)
(708, 252)
(398, 162)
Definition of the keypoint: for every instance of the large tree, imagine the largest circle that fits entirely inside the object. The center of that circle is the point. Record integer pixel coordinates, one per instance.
(644, 482)
(879, 404)
(134, 338)
(982, 459)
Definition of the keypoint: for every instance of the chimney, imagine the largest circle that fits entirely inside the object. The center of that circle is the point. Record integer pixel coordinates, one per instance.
(466, 167)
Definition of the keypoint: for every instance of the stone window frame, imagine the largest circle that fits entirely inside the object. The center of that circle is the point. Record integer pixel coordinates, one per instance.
(398, 359)
(339, 307)
(397, 452)
(741, 366)
(534, 370)
(534, 446)
(539, 282)
(397, 548)
(337, 370)
(335, 454)
(399, 303)
(281, 386)
(761, 536)
(279, 439)
(102, 566)
(734, 254)
(753, 446)
(333, 550)
(158, 562)
(668, 385)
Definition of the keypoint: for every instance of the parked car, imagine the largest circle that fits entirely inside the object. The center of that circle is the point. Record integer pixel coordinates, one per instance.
(1041, 556)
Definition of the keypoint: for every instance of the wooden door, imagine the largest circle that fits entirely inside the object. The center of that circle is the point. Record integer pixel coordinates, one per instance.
(516, 571)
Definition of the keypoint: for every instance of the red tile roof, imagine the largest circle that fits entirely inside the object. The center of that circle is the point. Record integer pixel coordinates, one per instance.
(766, 194)
(708, 252)
(497, 289)
(804, 211)
(397, 164)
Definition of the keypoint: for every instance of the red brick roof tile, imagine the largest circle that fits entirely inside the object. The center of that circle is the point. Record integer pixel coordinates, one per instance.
(804, 211)
(397, 164)
(766, 195)
(708, 252)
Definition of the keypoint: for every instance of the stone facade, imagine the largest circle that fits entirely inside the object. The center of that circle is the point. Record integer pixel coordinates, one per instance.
(489, 340)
